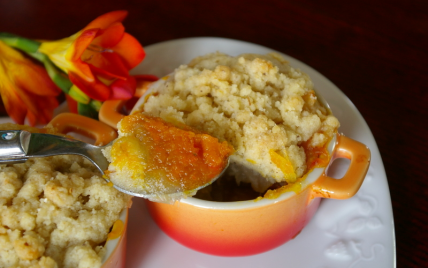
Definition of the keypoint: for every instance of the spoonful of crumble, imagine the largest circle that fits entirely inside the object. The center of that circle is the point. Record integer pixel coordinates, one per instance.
(151, 158)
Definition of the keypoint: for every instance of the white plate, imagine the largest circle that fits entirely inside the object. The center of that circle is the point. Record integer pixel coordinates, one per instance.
(352, 233)
(358, 232)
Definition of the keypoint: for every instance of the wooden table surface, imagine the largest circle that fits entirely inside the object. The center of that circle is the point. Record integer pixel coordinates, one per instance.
(376, 52)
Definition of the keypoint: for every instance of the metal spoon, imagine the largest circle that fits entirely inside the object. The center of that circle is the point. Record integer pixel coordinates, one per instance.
(17, 146)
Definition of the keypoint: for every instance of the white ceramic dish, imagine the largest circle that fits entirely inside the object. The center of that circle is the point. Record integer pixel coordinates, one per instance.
(358, 232)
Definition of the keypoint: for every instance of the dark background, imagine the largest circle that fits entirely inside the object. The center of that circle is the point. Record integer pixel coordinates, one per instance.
(374, 51)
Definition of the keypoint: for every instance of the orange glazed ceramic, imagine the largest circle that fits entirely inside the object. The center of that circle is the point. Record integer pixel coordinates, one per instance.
(234, 229)
(250, 227)
(255, 226)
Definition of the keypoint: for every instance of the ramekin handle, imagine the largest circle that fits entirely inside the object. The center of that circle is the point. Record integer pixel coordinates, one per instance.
(110, 112)
(347, 186)
(88, 127)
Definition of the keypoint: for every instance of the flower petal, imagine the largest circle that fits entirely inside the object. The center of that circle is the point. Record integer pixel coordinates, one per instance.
(60, 51)
(81, 43)
(107, 19)
(71, 103)
(34, 79)
(42, 110)
(108, 64)
(95, 90)
(123, 89)
(32, 118)
(71, 61)
(36, 108)
(22, 98)
(130, 50)
(14, 106)
(110, 36)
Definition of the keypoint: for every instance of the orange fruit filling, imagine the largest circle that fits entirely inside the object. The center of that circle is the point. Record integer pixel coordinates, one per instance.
(159, 155)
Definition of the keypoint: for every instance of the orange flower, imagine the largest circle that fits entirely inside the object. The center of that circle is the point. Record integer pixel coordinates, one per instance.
(25, 88)
(98, 58)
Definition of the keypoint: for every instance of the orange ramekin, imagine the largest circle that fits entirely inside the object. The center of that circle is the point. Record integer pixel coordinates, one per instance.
(255, 226)
(250, 227)
(101, 134)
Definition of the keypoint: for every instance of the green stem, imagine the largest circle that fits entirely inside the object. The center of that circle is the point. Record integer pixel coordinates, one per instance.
(79, 95)
(57, 76)
(87, 110)
(21, 43)
(96, 105)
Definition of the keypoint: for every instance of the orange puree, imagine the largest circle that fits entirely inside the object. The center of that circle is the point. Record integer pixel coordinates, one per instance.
(316, 156)
(159, 155)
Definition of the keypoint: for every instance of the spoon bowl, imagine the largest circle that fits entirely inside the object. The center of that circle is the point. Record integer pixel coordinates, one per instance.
(17, 146)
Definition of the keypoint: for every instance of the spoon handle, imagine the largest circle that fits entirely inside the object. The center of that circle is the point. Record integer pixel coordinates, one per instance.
(13, 146)
(16, 146)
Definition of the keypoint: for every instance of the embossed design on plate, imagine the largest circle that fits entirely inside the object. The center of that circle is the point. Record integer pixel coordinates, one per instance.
(347, 248)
